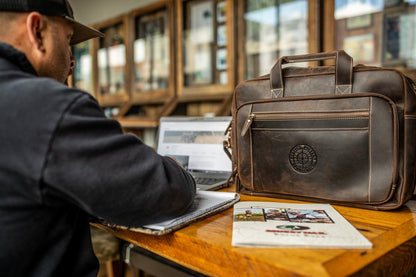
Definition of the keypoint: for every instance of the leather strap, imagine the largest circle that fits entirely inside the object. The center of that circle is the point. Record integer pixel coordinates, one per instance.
(343, 71)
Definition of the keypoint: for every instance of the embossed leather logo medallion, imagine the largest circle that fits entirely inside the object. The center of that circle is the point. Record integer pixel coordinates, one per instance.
(303, 158)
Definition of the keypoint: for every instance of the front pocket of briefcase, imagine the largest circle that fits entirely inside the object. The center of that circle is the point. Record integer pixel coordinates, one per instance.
(339, 149)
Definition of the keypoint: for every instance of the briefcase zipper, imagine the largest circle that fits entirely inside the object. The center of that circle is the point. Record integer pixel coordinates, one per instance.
(247, 124)
(293, 116)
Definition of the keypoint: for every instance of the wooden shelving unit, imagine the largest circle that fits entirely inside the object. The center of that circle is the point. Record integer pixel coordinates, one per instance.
(185, 57)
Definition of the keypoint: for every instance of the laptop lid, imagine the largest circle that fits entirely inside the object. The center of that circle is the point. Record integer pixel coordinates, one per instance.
(197, 143)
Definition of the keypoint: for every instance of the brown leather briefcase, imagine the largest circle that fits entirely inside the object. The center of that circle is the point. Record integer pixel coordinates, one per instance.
(339, 134)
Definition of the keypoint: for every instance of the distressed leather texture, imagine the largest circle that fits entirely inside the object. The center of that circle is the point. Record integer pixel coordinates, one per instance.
(339, 134)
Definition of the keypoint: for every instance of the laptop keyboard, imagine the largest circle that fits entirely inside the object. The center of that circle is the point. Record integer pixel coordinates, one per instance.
(207, 181)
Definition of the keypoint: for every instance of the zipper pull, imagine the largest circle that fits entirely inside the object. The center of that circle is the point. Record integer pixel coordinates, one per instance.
(248, 123)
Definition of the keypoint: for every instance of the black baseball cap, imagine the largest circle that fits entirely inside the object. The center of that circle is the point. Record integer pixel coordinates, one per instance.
(60, 8)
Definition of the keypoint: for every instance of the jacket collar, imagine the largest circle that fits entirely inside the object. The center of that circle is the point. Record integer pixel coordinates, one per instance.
(16, 57)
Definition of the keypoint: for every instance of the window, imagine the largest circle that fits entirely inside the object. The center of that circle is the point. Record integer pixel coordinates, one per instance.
(206, 55)
(150, 46)
(377, 32)
(82, 77)
(111, 59)
(273, 28)
(152, 51)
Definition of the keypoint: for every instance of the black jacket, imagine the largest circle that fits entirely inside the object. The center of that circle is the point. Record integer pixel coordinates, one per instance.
(61, 162)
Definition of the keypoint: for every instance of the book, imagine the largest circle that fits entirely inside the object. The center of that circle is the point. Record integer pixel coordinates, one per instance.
(206, 203)
(272, 224)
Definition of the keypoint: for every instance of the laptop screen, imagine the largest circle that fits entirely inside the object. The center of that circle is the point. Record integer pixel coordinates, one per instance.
(195, 142)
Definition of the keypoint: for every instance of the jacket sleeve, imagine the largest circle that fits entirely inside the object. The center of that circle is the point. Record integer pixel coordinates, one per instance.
(111, 175)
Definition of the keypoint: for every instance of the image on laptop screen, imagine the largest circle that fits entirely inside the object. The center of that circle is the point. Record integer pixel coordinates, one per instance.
(197, 143)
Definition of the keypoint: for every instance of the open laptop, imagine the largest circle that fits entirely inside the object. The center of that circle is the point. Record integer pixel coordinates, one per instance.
(197, 143)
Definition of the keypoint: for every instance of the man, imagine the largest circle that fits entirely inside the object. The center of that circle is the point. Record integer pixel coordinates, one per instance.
(61, 160)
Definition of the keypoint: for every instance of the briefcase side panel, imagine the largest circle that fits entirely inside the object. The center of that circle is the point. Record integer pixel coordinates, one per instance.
(242, 152)
(410, 138)
(409, 178)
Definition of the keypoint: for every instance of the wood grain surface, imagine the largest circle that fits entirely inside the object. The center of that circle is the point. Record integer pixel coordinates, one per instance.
(205, 247)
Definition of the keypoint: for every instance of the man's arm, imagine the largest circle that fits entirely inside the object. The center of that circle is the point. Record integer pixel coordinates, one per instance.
(111, 175)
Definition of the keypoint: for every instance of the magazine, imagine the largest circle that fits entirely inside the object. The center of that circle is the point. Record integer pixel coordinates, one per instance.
(206, 203)
(271, 224)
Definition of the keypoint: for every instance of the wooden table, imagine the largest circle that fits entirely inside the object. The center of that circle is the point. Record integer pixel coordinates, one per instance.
(205, 247)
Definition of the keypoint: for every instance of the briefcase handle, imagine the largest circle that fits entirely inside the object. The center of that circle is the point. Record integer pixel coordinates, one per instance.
(343, 71)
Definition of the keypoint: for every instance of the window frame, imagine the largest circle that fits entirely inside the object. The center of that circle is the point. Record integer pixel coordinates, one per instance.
(119, 98)
(210, 91)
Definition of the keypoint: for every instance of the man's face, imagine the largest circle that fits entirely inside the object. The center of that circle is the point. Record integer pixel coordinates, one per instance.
(59, 60)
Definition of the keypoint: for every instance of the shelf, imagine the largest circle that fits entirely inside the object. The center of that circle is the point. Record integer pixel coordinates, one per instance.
(132, 122)
(144, 115)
